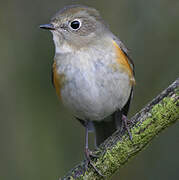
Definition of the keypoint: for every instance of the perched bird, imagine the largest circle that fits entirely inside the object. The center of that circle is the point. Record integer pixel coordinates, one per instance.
(92, 72)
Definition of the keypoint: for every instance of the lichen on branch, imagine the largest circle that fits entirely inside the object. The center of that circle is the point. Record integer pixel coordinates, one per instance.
(118, 149)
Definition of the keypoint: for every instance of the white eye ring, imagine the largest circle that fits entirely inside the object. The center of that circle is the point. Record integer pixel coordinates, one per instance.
(75, 24)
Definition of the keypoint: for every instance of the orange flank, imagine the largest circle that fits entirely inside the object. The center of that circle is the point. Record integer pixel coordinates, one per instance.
(58, 80)
(124, 62)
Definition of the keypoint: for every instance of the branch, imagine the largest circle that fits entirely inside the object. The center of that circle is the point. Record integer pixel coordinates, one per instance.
(159, 114)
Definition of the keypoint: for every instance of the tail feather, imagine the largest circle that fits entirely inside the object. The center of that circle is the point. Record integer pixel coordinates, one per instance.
(107, 127)
(103, 130)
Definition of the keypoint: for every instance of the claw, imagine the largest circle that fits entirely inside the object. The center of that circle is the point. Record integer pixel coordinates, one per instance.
(124, 118)
(88, 155)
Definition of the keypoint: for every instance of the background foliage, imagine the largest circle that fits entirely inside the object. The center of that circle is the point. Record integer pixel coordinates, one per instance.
(39, 139)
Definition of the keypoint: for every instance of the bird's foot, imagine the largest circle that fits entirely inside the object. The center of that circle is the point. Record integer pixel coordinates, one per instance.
(125, 120)
(88, 155)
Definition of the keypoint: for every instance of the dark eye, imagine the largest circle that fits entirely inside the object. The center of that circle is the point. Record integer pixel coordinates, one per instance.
(75, 24)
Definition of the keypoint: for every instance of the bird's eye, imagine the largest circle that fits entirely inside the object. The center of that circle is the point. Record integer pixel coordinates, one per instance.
(75, 25)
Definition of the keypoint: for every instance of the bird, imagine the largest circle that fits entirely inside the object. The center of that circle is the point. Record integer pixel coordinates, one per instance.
(92, 72)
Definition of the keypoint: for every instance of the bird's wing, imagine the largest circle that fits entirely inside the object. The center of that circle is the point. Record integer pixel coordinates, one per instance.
(123, 59)
(125, 51)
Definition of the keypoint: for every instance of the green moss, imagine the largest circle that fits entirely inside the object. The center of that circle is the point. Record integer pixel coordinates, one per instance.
(177, 91)
(161, 116)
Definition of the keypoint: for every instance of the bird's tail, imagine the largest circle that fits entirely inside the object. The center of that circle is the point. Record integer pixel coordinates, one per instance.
(104, 129)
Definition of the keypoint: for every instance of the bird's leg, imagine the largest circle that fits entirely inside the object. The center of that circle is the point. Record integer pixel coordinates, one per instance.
(124, 119)
(88, 153)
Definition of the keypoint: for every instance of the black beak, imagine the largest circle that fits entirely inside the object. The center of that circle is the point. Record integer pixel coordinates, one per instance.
(47, 26)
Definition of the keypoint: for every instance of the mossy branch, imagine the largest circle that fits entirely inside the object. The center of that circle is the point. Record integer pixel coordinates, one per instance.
(159, 114)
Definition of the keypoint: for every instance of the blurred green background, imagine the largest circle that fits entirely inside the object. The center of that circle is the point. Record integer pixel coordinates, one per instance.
(39, 139)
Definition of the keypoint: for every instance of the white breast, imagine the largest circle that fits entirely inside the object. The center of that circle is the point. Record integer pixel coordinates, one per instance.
(93, 89)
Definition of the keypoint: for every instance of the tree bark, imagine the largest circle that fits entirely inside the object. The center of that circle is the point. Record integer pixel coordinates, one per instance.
(159, 114)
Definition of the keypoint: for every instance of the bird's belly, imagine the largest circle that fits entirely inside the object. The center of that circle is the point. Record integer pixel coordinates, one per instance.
(94, 95)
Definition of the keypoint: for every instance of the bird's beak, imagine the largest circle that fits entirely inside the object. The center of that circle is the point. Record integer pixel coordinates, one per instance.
(47, 26)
